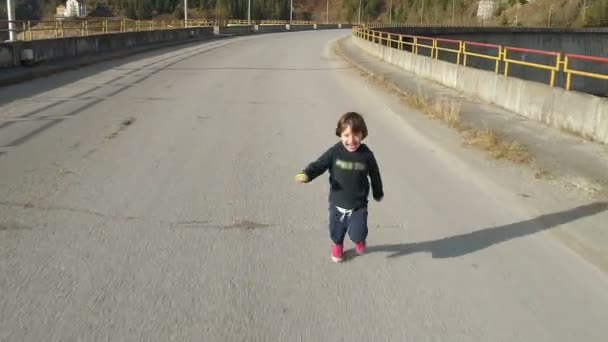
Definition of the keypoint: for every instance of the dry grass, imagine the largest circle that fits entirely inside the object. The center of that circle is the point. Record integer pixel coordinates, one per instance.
(498, 147)
(543, 174)
(441, 109)
(449, 113)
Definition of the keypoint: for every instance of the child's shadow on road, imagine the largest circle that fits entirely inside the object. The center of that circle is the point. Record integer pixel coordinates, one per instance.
(459, 245)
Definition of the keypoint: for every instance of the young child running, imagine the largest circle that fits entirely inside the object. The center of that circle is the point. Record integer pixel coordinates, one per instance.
(350, 163)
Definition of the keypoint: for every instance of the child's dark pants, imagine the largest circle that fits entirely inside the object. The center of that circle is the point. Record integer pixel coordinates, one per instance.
(354, 222)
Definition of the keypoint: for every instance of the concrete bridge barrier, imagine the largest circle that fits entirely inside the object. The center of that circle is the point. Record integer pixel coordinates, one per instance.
(234, 29)
(82, 50)
(300, 27)
(584, 41)
(271, 28)
(326, 26)
(581, 113)
(13, 54)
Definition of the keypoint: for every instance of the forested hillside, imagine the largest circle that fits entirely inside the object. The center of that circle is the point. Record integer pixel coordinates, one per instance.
(536, 13)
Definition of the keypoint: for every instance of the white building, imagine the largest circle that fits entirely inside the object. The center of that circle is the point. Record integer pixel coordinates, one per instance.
(75, 8)
(486, 8)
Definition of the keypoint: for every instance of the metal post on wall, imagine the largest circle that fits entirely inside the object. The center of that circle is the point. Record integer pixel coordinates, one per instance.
(422, 12)
(185, 13)
(453, 8)
(10, 8)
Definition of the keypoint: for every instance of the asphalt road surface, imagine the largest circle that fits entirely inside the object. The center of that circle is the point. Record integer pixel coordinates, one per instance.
(153, 199)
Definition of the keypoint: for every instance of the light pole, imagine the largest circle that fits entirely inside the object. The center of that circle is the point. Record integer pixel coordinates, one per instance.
(10, 9)
(249, 12)
(185, 13)
(422, 12)
(390, 12)
(290, 12)
(360, 12)
(584, 10)
(327, 13)
(453, 5)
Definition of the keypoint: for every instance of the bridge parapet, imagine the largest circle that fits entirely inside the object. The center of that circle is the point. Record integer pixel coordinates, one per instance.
(562, 107)
(565, 58)
(63, 40)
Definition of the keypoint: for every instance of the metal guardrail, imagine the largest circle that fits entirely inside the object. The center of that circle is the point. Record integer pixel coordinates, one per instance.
(569, 72)
(503, 54)
(35, 30)
(469, 52)
(446, 49)
(47, 29)
(554, 68)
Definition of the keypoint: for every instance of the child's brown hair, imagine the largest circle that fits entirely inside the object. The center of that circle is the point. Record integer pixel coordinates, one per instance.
(356, 123)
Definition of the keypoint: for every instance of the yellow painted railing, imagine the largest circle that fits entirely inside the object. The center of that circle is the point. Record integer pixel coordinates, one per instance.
(438, 47)
(569, 72)
(554, 67)
(467, 50)
(500, 54)
(34, 30)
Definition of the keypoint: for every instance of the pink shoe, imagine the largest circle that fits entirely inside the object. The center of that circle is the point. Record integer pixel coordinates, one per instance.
(336, 252)
(360, 247)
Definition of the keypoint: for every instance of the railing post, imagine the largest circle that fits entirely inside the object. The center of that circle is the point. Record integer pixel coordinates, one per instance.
(554, 71)
(460, 51)
(498, 59)
(506, 63)
(568, 74)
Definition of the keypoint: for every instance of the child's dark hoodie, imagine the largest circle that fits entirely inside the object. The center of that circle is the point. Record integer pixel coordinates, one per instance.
(348, 175)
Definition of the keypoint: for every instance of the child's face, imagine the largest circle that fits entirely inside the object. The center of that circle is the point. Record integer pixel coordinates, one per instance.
(350, 140)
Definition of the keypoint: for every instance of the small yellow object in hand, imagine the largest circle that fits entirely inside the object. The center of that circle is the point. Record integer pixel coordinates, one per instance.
(301, 178)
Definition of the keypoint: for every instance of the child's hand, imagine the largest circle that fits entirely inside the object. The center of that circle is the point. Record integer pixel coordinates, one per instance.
(301, 178)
